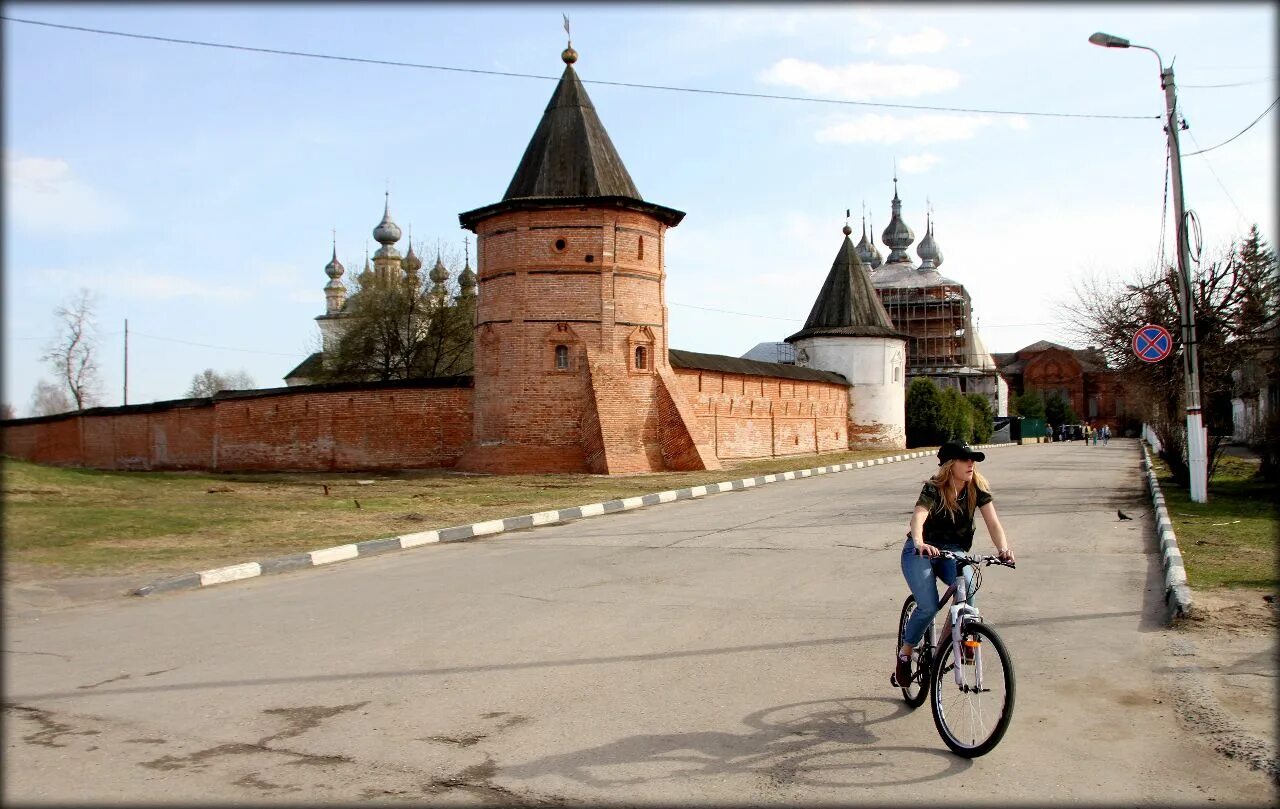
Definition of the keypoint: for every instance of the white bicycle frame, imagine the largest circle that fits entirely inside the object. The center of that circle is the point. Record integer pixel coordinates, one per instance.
(960, 613)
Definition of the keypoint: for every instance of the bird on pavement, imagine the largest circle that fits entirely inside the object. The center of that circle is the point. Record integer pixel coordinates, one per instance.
(1122, 515)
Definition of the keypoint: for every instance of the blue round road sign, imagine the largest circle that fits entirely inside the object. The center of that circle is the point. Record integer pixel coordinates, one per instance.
(1152, 343)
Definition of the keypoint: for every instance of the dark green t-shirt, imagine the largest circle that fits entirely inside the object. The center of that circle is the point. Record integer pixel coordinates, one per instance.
(942, 527)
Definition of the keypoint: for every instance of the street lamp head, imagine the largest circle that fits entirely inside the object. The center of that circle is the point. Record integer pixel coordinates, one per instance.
(1109, 41)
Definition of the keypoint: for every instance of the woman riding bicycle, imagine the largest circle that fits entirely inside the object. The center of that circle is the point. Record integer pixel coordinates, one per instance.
(943, 520)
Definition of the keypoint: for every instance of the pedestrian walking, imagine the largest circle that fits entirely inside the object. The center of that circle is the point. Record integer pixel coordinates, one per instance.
(1106, 435)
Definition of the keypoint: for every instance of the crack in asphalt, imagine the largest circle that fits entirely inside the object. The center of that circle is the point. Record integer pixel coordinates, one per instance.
(52, 729)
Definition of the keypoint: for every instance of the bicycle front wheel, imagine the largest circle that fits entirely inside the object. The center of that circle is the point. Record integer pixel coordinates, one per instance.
(916, 691)
(972, 720)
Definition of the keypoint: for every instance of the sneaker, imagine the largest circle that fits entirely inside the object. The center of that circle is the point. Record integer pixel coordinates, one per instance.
(903, 672)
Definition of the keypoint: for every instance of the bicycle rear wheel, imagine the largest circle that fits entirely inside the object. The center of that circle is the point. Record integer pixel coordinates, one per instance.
(970, 721)
(916, 691)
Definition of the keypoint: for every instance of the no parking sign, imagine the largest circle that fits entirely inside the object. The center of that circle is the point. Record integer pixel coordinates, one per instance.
(1152, 343)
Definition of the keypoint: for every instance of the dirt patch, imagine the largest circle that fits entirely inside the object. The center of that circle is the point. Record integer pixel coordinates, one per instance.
(1244, 611)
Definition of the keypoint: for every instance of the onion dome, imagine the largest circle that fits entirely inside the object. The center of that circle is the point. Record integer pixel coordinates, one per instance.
(334, 268)
(438, 273)
(467, 278)
(411, 263)
(863, 248)
(876, 258)
(897, 236)
(387, 232)
(930, 255)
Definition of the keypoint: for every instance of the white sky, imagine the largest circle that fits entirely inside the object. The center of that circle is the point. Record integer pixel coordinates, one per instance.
(194, 189)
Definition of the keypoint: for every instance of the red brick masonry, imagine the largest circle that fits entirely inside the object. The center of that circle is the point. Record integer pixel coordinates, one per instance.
(312, 428)
(412, 425)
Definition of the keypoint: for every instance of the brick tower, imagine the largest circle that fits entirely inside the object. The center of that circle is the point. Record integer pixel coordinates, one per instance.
(571, 366)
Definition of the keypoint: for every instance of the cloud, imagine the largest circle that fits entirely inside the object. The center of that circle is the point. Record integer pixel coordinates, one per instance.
(862, 80)
(881, 128)
(44, 196)
(918, 163)
(734, 25)
(257, 281)
(928, 40)
(923, 129)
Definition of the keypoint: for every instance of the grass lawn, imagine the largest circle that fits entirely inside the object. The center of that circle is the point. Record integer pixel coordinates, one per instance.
(1231, 540)
(63, 522)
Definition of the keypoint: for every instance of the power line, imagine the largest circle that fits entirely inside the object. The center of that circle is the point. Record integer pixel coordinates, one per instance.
(1238, 134)
(391, 63)
(1233, 84)
(221, 348)
(1243, 220)
(743, 314)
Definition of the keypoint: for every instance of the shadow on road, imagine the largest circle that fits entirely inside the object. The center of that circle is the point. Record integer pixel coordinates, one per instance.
(825, 743)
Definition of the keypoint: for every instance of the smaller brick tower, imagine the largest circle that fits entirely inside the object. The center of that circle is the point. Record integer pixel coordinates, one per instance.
(571, 366)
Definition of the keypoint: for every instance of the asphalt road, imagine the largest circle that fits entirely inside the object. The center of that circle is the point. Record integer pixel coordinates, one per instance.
(730, 649)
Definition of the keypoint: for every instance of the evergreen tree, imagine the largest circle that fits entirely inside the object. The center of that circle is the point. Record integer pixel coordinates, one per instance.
(1057, 410)
(983, 418)
(1029, 405)
(925, 417)
(957, 415)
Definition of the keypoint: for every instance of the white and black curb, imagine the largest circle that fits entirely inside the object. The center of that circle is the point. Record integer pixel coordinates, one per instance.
(1177, 593)
(459, 533)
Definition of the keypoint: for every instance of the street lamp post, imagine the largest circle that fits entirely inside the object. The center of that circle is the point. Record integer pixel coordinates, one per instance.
(1196, 439)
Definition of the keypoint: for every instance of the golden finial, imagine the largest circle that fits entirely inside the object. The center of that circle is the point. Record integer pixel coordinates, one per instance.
(569, 55)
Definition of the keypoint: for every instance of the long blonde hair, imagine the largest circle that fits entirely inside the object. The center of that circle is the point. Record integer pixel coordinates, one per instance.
(942, 482)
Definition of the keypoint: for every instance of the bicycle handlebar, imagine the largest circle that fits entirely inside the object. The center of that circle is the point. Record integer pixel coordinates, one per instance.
(964, 558)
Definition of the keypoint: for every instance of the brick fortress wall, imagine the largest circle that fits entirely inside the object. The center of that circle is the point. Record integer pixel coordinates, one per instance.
(744, 416)
(355, 428)
(314, 428)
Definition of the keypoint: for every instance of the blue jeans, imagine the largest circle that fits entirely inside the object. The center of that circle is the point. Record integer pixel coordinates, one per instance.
(922, 574)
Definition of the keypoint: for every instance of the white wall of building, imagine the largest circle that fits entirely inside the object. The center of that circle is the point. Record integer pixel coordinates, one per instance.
(876, 370)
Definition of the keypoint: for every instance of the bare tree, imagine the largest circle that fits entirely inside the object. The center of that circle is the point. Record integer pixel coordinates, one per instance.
(1228, 291)
(49, 398)
(73, 354)
(409, 327)
(208, 382)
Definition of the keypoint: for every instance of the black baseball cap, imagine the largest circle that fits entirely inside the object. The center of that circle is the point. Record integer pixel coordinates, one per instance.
(954, 450)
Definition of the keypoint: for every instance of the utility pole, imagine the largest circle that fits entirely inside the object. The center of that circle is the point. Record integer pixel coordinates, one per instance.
(1197, 441)
(1197, 461)
(126, 360)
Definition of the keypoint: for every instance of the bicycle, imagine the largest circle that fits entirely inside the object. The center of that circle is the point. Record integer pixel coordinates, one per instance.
(973, 706)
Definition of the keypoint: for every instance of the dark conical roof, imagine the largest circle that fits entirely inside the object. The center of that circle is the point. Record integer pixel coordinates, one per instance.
(570, 153)
(847, 305)
(570, 160)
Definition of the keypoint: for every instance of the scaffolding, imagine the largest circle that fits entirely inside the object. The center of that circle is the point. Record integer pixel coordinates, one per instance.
(937, 315)
(937, 320)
